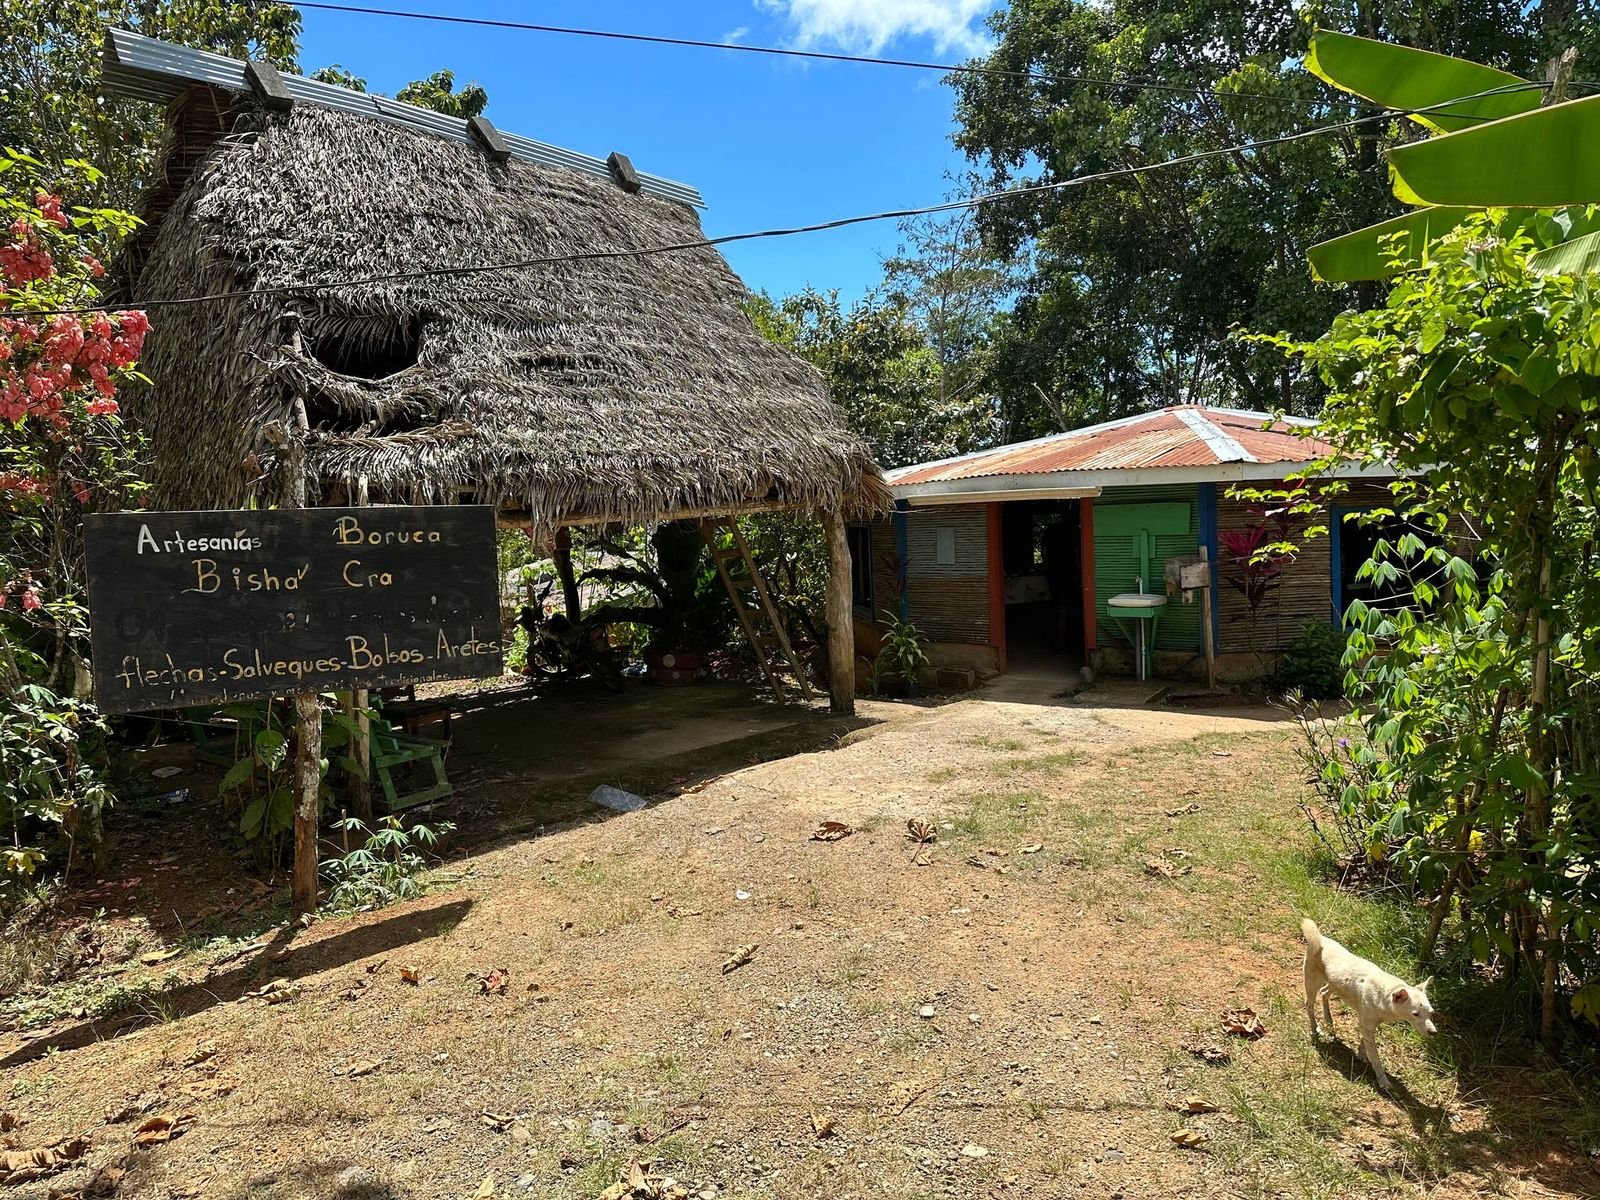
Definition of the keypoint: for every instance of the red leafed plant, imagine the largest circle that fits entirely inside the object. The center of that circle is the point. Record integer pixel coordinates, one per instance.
(1255, 556)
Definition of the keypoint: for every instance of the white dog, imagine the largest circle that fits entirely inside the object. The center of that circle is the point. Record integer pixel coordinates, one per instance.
(1374, 994)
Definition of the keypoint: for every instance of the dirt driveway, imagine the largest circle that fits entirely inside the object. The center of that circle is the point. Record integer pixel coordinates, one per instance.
(1022, 1011)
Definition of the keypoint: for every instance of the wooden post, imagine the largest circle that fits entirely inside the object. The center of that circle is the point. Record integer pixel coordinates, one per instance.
(841, 619)
(307, 714)
(1205, 622)
(358, 707)
(562, 556)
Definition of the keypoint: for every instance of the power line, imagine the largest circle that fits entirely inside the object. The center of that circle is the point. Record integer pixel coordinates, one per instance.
(789, 52)
(818, 227)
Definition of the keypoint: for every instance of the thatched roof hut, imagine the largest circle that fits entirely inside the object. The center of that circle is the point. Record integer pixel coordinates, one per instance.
(631, 388)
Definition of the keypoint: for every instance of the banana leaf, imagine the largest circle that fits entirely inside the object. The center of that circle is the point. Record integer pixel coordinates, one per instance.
(1366, 254)
(1402, 78)
(1540, 159)
(1581, 256)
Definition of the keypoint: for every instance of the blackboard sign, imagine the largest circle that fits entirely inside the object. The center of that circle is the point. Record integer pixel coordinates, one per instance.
(195, 607)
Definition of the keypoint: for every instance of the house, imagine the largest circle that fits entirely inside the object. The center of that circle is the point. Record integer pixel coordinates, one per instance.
(1007, 558)
(505, 342)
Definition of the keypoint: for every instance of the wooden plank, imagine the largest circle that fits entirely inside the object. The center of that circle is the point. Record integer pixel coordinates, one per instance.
(195, 607)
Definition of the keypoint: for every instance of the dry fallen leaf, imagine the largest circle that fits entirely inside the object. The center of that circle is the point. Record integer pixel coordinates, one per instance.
(1185, 811)
(1165, 868)
(374, 967)
(495, 982)
(411, 975)
(1222, 753)
(19, 1166)
(831, 831)
(160, 956)
(923, 857)
(9, 1121)
(739, 957)
(1030, 848)
(486, 1188)
(364, 1068)
(822, 1127)
(1189, 1139)
(201, 1053)
(496, 1121)
(921, 831)
(1193, 1105)
(279, 991)
(105, 1181)
(1243, 1022)
(1216, 1056)
(162, 1129)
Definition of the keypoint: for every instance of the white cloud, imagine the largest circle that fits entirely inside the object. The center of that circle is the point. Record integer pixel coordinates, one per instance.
(734, 36)
(869, 26)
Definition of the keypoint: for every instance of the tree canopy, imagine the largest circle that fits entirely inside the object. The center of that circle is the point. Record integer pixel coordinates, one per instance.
(1136, 282)
(50, 101)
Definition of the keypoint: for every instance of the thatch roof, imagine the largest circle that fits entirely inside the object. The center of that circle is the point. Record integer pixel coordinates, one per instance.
(626, 389)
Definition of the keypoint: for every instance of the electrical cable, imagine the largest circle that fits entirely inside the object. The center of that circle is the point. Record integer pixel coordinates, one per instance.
(789, 52)
(817, 227)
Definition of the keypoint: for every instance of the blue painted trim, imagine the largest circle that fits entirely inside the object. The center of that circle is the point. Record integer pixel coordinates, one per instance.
(1336, 519)
(902, 541)
(1208, 539)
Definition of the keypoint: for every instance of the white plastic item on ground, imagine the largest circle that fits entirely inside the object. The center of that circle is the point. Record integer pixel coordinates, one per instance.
(616, 799)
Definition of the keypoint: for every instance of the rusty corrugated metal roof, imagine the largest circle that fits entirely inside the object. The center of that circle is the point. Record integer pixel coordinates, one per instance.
(1182, 436)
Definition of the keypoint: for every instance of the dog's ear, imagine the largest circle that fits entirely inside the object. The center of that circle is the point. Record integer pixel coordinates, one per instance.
(1401, 996)
(1425, 984)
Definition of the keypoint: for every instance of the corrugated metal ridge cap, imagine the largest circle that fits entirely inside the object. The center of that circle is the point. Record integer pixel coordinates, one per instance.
(1221, 443)
(146, 68)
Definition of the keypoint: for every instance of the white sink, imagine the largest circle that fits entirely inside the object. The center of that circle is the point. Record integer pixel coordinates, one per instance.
(1138, 600)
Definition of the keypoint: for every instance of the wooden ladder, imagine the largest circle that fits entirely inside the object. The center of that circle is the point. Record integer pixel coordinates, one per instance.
(748, 582)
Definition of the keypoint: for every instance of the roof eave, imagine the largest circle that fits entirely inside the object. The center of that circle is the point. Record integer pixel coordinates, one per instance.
(983, 488)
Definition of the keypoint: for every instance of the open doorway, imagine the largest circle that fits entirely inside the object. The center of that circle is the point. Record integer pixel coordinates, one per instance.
(1041, 546)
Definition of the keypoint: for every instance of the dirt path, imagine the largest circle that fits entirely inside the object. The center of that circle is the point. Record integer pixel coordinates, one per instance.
(1009, 1020)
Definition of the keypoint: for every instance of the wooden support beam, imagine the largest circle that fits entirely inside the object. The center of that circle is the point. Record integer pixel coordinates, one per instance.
(488, 137)
(841, 618)
(267, 84)
(561, 555)
(622, 172)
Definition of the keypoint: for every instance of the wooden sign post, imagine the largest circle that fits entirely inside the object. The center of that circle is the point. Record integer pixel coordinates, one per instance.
(194, 608)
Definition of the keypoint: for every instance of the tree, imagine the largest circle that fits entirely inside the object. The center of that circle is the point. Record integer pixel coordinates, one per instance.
(945, 278)
(63, 451)
(1137, 281)
(50, 54)
(436, 92)
(881, 369)
(1479, 382)
(50, 67)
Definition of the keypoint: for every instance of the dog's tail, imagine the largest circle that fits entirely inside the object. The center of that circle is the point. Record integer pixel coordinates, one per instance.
(1313, 935)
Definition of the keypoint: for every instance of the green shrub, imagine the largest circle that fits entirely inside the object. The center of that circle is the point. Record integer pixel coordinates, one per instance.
(1313, 663)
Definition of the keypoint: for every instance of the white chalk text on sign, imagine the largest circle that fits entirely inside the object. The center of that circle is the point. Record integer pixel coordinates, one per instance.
(215, 606)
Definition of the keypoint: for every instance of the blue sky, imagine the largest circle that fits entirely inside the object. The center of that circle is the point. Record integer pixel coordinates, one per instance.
(768, 141)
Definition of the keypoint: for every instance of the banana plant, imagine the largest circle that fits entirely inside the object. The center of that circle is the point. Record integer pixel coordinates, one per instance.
(1494, 146)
